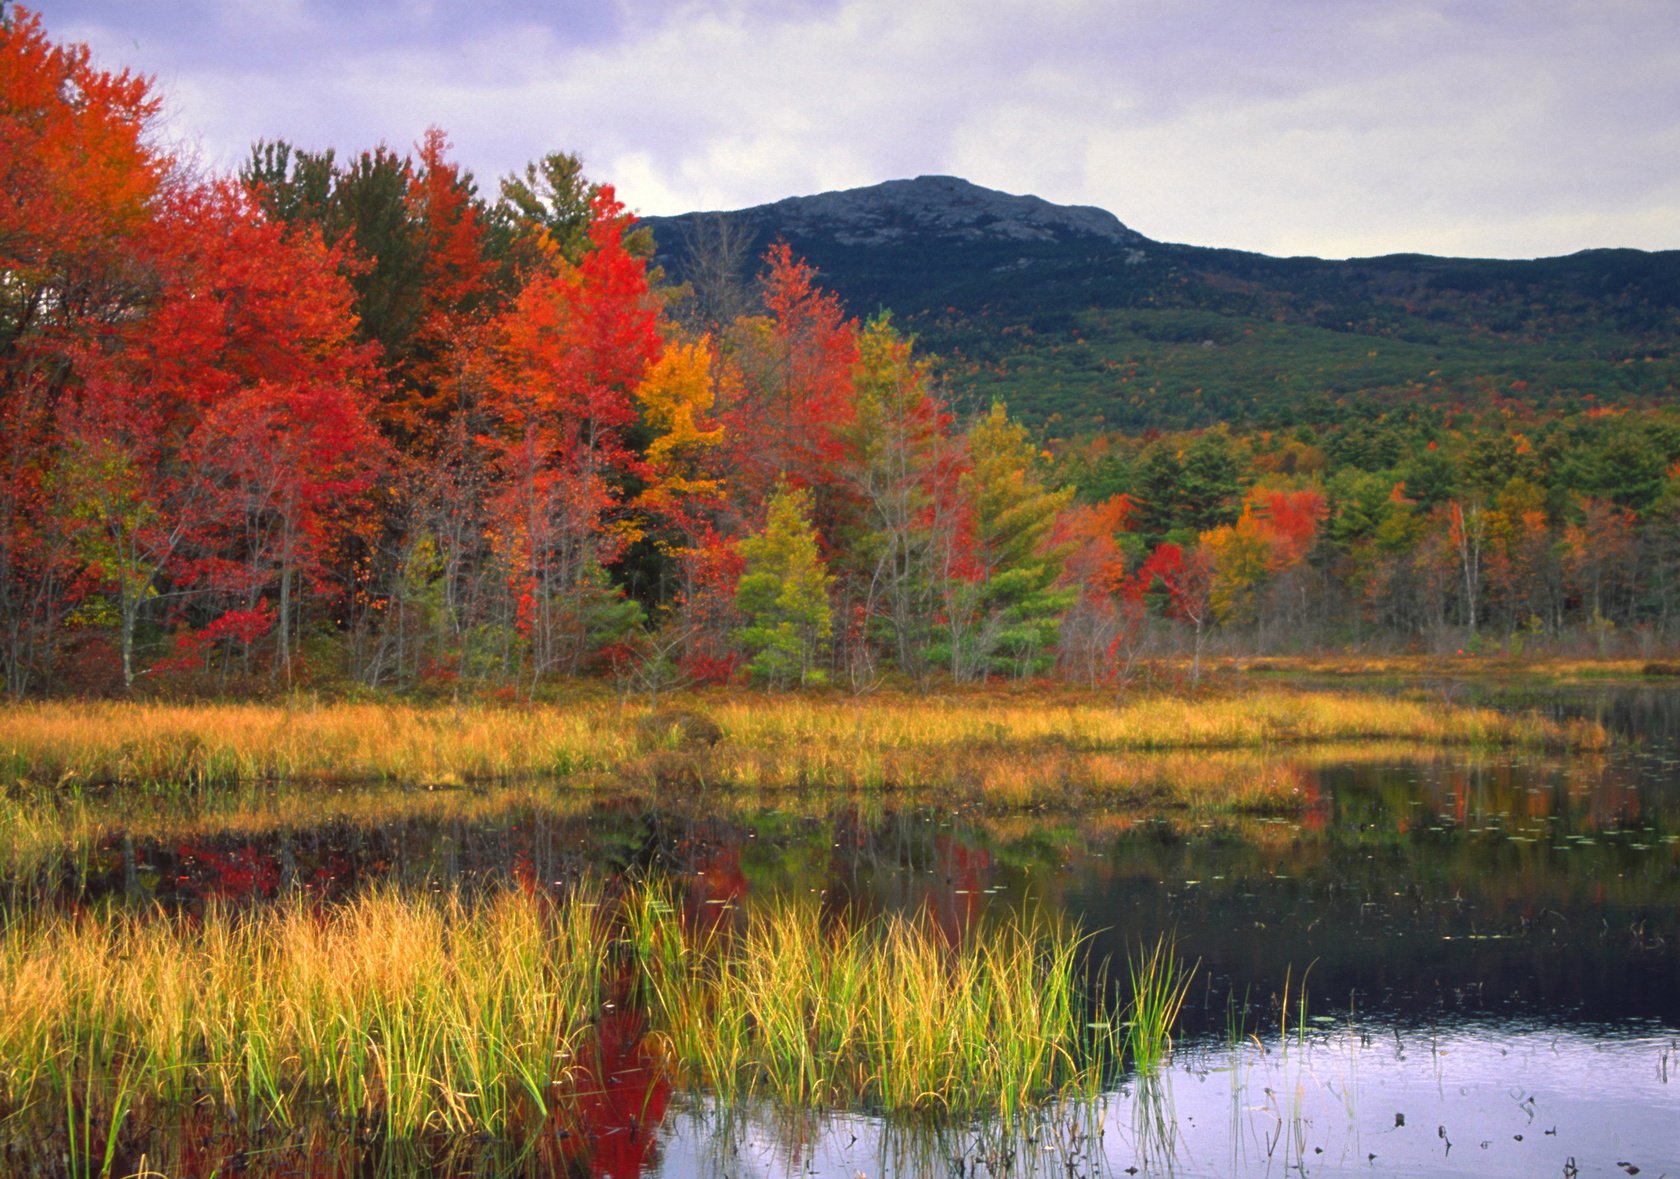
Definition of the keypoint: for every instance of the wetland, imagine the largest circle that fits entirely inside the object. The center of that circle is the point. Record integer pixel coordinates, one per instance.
(838, 939)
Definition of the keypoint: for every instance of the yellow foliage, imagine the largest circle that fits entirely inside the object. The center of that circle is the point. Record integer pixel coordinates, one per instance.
(676, 398)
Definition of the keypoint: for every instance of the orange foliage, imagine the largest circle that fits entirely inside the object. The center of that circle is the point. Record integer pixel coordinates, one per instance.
(1088, 532)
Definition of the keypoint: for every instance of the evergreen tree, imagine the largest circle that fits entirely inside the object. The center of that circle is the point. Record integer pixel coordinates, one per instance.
(1158, 494)
(783, 592)
(1005, 614)
(1212, 493)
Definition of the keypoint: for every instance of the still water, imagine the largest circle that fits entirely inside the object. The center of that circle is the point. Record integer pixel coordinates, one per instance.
(1444, 965)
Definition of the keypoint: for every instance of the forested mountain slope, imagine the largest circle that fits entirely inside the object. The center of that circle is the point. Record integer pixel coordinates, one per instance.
(1066, 311)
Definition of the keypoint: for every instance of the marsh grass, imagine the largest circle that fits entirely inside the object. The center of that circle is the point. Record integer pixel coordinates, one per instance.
(423, 1015)
(414, 1012)
(1159, 982)
(765, 741)
(879, 1014)
(55, 834)
(1536, 669)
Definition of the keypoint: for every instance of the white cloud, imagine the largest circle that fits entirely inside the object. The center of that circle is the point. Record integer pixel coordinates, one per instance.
(1308, 126)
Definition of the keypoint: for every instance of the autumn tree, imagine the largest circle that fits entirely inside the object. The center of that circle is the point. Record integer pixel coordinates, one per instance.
(1598, 551)
(1271, 536)
(571, 352)
(414, 245)
(1102, 635)
(787, 421)
(235, 404)
(543, 214)
(902, 466)
(1179, 584)
(79, 186)
(362, 206)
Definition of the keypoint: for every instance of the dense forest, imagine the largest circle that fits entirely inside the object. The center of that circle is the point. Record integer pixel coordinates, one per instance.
(1084, 324)
(342, 421)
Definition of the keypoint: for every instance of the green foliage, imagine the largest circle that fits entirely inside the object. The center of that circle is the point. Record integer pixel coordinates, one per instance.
(783, 593)
(1013, 605)
(897, 442)
(366, 202)
(1209, 490)
(1626, 465)
(1156, 492)
(598, 612)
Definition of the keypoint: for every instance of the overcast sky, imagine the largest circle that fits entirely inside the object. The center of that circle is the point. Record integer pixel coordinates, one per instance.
(1331, 127)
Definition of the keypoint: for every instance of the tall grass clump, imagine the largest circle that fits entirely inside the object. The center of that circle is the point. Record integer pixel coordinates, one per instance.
(1160, 982)
(887, 1013)
(409, 1013)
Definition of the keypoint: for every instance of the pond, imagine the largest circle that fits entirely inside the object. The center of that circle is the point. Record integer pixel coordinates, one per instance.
(1444, 964)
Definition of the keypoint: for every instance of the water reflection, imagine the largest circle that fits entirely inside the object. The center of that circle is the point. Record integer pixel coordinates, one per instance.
(1421, 890)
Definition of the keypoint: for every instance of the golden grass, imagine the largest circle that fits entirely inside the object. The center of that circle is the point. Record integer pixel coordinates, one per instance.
(1006, 795)
(414, 1009)
(1549, 667)
(885, 1014)
(767, 741)
(211, 743)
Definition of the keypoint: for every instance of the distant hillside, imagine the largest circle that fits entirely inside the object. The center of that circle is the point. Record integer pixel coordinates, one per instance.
(1065, 311)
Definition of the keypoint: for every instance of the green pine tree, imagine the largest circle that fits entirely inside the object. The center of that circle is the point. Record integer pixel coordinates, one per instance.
(783, 593)
(1007, 620)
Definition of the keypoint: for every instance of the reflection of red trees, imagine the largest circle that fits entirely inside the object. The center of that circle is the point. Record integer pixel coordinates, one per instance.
(1613, 803)
(1308, 794)
(233, 875)
(1589, 794)
(620, 1097)
(524, 872)
(716, 882)
(957, 892)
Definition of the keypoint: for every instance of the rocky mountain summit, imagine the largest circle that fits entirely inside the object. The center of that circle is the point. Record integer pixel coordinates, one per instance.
(940, 206)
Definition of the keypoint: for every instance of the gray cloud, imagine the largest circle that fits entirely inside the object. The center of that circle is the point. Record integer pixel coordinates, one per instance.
(1334, 127)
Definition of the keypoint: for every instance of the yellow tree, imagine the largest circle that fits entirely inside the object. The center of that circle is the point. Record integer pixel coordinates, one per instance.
(676, 399)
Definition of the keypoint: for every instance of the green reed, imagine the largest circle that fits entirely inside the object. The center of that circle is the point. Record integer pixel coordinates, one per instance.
(886, 1013)
(1160, 981)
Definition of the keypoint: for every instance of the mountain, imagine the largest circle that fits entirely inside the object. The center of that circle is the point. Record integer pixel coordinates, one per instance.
(1080, 322)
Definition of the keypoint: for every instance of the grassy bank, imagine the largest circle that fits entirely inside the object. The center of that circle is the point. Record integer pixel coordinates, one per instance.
(1539, 669)
(757, 740)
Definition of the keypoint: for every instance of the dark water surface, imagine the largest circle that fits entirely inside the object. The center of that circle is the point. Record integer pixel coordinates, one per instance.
(1487, 950)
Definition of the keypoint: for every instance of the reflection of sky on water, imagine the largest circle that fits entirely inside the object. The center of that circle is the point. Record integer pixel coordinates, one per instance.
(1477, 1100)
(1344, 1100)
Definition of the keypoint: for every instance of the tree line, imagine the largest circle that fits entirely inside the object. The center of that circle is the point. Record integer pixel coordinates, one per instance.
(350, 420)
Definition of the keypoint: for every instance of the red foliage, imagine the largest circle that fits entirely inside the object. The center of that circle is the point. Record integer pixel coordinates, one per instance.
(220, 435)
(454, 294)
(1165, 565)
(241, 626)
(573, 347)
(1292, 519)
(77, 176)
(1095, 562)
(797, 383)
